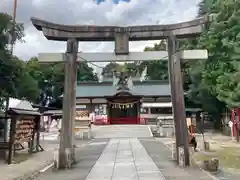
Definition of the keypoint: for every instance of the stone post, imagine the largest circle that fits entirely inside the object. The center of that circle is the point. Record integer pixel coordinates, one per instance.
(174, 151)
(160, 128)
(66, 153)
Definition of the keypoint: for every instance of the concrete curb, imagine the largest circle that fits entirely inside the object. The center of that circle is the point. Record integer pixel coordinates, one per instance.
(196, 165)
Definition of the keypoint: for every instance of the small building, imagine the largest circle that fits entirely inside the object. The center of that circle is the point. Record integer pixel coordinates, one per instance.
(124, 105)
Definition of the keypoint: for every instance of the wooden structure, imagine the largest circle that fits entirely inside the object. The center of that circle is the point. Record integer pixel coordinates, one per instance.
(82, 125)
(121, 35)
(24, 128)
(121, 106)
(194, 122)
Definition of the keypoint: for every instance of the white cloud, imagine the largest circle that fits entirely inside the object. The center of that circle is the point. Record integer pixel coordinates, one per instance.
(136, 12)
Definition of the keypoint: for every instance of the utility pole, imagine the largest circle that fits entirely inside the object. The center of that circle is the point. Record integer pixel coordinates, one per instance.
(12, 39)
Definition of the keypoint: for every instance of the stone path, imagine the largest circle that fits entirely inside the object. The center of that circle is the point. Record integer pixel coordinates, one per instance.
(162, 157)
(86, 158)
(125, 159)
(121, 131)
(124, 153)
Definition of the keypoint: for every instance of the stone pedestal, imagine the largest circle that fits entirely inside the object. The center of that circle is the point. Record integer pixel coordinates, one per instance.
(161, 131)
(206, 146)
(160, 128)
(83, 133)
(83, 128)
(174, 152)
(211, 165)
(181, 156)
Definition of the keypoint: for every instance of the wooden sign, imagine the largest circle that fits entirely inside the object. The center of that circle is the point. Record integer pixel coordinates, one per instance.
(24, 130)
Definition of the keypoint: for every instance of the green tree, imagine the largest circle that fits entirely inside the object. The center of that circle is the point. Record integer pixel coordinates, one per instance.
(156, 70)
(217, 82)
(8, 68)
(110, 68)
(50, 77)
(85, 73)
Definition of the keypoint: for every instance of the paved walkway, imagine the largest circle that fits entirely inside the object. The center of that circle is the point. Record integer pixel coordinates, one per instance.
(125, 159)
(162, 157)
(121, 131)
(124, 153)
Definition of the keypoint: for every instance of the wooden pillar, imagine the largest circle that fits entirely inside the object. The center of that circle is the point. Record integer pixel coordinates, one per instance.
(181, 108)
(12, 138)
(69, 104)
(177, 93)
(91, 105)
(138, 104)
(38, 128)
(171, 42)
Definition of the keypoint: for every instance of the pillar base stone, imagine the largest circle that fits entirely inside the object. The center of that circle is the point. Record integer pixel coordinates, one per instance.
(64, 160)
(181, 156)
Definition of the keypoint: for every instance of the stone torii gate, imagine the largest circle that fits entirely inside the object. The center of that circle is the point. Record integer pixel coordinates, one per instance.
(121, 35)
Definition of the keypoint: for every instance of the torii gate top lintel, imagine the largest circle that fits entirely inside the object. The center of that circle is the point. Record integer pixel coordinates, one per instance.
(60, 32)
(121, 36)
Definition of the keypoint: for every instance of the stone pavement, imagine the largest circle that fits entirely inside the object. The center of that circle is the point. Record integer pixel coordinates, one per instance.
(124, 157)
(86, 158)
(121, 131)
(162, 157)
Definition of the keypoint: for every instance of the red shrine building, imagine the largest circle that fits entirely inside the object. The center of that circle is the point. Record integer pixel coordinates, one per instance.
(125, 105)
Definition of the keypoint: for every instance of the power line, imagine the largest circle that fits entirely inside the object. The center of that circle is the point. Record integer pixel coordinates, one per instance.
(85, 60)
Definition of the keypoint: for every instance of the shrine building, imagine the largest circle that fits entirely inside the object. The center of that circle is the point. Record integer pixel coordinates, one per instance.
(143, 101)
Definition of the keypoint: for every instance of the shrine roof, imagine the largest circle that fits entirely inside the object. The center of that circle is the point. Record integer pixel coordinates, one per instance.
(103, 89)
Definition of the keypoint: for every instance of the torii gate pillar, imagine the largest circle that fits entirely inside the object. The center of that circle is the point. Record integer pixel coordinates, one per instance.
(67, 150)
(121, 36)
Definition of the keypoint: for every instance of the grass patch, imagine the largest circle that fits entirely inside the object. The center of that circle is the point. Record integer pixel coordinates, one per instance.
(229, 157)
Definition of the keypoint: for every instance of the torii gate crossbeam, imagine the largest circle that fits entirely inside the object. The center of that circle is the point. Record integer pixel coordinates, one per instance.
(121, 36)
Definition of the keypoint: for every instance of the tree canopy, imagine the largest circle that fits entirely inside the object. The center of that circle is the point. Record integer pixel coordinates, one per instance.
(29, 79)
(213, 84)
(219, 74)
